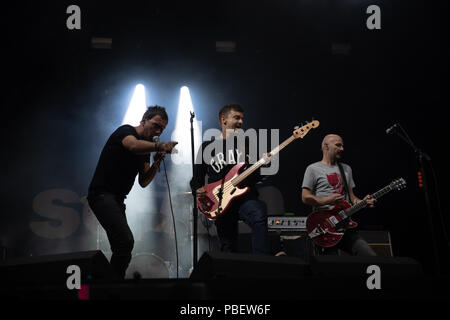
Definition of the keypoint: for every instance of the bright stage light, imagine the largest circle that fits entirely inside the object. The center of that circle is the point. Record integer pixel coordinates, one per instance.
(181, 174)
(136, 108)
(182, 132)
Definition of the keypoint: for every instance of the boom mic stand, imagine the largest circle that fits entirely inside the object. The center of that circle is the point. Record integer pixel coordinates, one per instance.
(194, 193)
(420, 156)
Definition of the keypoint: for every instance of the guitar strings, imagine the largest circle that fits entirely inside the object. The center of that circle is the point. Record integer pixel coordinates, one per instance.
(249, 171)
(229, 184)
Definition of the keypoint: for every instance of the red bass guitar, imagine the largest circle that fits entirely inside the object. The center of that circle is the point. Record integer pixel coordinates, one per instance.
(326, 228)
(220, 194)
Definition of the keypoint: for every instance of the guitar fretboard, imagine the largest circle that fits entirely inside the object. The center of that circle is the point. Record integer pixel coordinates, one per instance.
(236, 181)
(362, 204)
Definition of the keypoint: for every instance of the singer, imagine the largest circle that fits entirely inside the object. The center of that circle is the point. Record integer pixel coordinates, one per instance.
(126, 154)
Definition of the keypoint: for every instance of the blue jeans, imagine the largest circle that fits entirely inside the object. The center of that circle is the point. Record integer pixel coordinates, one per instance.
(254, 213)
(110, 212)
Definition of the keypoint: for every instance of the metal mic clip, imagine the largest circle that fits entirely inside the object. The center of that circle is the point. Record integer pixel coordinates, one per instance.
(391, 128)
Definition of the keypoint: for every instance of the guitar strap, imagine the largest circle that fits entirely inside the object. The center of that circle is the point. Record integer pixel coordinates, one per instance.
(341, 169)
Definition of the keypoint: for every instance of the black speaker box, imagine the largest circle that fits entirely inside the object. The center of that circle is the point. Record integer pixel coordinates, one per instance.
(52, 269)
(378, 240)
(237, 265)
(356, 266)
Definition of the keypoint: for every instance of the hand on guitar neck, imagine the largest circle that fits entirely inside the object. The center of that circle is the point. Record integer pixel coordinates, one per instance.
(335, 198)
(266, 157)
(369, 200)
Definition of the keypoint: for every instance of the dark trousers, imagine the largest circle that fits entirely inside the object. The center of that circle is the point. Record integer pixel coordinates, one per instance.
(110, 212)
(254, 213)
(351, 243)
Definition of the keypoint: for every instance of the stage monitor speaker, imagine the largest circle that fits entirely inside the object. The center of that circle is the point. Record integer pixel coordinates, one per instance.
(378, 240)
(251, 266)
(356, 266)
(52, 269)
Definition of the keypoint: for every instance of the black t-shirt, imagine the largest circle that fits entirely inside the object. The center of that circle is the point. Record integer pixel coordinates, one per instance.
(117, 167)
(218, 164)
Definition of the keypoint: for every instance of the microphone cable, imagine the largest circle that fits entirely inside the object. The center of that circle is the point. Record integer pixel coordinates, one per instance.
(173, 217)
(156, 139)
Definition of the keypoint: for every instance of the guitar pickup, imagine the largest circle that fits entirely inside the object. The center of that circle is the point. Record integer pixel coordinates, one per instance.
(333, 221)
(343, 215)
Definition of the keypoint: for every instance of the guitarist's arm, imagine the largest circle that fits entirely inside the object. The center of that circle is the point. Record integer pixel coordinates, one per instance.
(198, 180)
(355, 199)
(314, 201)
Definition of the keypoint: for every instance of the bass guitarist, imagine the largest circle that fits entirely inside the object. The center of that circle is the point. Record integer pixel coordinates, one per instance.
(214, 160)
(324, 186)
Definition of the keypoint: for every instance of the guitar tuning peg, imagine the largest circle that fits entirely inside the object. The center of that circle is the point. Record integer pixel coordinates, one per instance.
(296, 127)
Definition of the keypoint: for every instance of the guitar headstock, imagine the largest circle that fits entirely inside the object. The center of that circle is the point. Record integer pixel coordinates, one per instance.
(398, 184)
(303, 130)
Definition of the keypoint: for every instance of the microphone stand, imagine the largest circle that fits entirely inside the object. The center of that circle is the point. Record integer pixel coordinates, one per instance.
(420, 156)
(194, 193)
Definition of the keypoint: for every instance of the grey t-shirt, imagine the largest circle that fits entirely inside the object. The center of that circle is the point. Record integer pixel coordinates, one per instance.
(323, 180)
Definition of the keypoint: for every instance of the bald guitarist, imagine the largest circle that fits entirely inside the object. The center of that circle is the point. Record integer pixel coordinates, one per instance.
(324, 186)
(247, 207)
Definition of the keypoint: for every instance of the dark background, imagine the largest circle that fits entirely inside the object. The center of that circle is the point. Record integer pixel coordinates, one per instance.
(62, 98)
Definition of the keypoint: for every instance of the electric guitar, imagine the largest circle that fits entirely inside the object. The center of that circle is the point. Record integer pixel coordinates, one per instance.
(220, 194)
(327, 227)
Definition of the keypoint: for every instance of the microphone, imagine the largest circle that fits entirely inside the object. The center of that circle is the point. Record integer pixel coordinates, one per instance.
(156, 139)
(391, 128)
